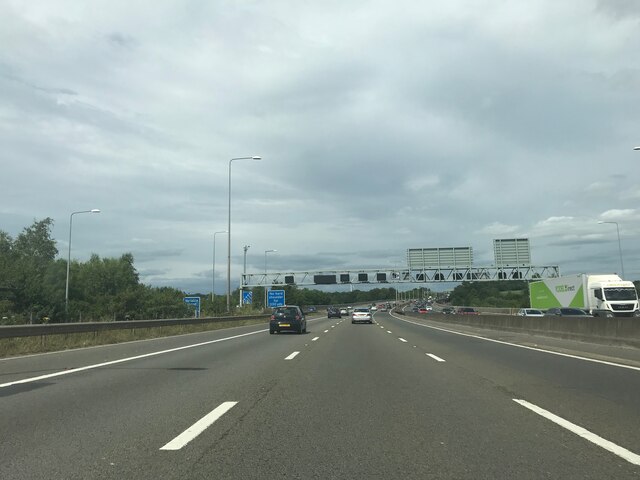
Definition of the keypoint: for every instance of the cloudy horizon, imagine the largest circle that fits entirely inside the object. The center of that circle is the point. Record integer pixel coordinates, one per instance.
(381, 126)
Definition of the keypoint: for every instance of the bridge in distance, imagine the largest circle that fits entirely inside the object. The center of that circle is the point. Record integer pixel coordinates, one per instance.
(424, 265)
(394, 275)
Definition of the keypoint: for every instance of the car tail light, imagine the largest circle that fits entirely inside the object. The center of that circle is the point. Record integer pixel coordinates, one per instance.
(273, 317)
(297, 317)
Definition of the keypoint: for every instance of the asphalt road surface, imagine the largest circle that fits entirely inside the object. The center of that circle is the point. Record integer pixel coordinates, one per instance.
(390, 400)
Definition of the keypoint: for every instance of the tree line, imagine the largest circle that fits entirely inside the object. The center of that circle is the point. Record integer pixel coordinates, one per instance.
(500, 293)
(33, 281)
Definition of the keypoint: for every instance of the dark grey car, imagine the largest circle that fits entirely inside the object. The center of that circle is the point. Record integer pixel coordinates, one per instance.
(566, 312)
(289, 317)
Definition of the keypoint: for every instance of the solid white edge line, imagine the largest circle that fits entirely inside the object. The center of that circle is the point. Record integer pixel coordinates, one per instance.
(388, 331)
(292, 356)
(200, 426)
(314, 339)
(122, 360)
(622, 452)
(435, 357)
(402, 339)
(107, 345)
(577, 357)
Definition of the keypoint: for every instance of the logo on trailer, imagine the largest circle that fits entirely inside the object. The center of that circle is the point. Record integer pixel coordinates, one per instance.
(565, 288)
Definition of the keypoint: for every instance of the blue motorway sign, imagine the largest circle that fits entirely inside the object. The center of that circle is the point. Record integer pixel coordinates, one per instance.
(195, 302)
(275, 298)
(247, 297)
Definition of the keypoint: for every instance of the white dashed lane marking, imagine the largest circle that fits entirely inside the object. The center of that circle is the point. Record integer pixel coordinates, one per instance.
(200, 426)
(435, 357)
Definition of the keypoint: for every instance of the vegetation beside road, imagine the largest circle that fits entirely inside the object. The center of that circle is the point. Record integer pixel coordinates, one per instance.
(500, 294)
(53, 343)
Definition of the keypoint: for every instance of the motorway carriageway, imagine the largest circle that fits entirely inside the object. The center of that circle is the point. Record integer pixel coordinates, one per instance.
(402, 398)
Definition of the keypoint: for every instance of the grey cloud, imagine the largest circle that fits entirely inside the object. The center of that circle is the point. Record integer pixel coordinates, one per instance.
(121, 40)
(142, 256)
(619, 9)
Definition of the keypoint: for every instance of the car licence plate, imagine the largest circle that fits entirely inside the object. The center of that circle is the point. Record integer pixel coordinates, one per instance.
(284, 324)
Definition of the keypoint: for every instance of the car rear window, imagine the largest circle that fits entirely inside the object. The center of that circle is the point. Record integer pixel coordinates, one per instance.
(365, 310)
(286, 311)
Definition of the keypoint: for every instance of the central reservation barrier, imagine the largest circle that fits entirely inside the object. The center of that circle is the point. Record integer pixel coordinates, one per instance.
(613, 330)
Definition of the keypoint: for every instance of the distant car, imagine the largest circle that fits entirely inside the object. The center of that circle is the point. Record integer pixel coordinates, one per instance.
(373, 308)
(344, 311)
(530, 312)
(448, 310)
(566, 312)
(423, 310)
(361, 315)
(311, 309)
(289, 317)
(467, 311)
(333, 312)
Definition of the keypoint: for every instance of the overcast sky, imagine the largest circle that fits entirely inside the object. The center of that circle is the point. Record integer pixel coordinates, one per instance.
(382, 126)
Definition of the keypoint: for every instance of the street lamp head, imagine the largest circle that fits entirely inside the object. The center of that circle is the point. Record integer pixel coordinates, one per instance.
(257, 157)
(636, 148)
(95, 210)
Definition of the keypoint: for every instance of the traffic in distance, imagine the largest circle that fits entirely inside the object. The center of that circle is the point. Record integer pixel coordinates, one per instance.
(570, 296)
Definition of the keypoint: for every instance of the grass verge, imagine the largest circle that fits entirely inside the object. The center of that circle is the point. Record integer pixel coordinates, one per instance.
(10, 347)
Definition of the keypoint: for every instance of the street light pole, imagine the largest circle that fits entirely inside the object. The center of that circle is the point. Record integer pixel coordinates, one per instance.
(255, 157)
(66, 290)
(213, 270)
(265, 275)
(619, 245)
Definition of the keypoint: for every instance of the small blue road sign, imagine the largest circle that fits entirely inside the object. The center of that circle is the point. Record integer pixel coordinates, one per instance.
(275, 298)
(194, 302)
(247, 297)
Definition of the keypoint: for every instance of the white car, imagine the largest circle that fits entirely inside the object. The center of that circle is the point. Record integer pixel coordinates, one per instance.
(373, 308)
(343, 311)
(361, 315)
(530, 312)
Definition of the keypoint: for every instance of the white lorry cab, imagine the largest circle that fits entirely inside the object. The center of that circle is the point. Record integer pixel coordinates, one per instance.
(600, 294)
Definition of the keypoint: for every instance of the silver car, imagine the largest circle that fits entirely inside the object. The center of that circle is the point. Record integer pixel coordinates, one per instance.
(530, 312)
(361, 315)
